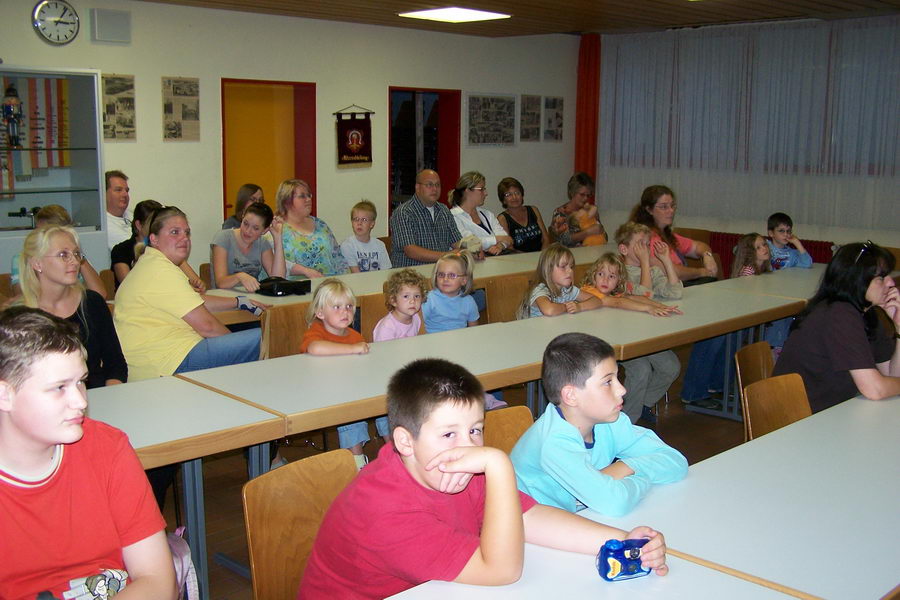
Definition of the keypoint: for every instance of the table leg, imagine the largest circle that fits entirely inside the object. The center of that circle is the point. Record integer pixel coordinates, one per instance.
(195, 517)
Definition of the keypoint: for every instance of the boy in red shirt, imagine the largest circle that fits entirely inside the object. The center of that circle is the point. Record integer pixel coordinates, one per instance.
(76, 505)
(437, 504)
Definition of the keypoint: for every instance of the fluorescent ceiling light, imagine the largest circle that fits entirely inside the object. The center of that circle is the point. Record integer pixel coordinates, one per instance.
(454, 14)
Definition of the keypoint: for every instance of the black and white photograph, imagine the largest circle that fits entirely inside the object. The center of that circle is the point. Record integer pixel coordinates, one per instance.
(553, 119)
(530, 119)
(181, 109)
(492, 120)
(118, 108)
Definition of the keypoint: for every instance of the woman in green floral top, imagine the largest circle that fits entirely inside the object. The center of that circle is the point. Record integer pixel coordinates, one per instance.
(310, 248)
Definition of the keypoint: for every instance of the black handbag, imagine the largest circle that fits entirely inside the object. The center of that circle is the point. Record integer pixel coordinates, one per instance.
(279, 286)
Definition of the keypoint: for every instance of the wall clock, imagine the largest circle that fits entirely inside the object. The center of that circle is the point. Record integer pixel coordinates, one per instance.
(55, 21)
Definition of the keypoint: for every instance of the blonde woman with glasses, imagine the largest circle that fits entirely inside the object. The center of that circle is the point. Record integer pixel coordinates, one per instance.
(50, 263)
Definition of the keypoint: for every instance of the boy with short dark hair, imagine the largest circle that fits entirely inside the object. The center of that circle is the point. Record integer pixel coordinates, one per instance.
(437, 504)
(76, 504)
(360, 250)
(568, 458)
(781, 238)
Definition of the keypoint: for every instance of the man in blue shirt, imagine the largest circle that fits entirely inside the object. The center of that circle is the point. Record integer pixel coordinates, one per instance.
(422, 229)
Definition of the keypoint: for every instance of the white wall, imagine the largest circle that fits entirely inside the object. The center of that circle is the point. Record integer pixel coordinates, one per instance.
(350, 64)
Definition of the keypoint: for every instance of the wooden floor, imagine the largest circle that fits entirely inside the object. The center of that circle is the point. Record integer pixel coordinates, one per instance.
(697, 436)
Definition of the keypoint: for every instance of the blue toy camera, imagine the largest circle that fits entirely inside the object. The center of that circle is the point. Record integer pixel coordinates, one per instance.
(619, 560)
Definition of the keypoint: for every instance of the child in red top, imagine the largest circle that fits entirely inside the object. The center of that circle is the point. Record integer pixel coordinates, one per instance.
(78, 512)
(329, 316)
(437, 504)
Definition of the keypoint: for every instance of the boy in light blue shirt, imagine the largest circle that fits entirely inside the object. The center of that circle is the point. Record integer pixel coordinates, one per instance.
(781, 238)
(568, 458)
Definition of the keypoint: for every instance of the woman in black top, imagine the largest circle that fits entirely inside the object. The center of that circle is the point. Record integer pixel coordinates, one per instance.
(49, 266)
(845, 342)
(122, 255)
(524, 223)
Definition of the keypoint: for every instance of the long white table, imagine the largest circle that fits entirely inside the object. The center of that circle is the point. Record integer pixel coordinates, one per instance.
(813, 506)
(550, 574)
(795, 283)
(169, 420)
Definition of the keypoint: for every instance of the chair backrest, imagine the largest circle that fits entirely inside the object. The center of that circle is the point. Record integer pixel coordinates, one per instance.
(283, 510)
(386, 240)
(371, 310)
(753, 363)
(109, 282)
(503, 427)
(206, 276)
(774, 403)
(283, 327)
(5, 286)
(504, 296)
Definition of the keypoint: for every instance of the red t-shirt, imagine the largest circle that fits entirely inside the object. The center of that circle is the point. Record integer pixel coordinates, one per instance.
(683, 245)
(75, 522)
(386, 533)
(317, 332)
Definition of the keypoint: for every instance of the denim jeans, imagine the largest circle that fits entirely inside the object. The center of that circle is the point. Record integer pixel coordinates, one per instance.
(230, 349)
(705, 370)
(358, 433)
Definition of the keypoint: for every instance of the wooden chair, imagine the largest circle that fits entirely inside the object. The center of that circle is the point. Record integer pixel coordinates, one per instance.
(109, 282)
(371, 310)
(503, 427)
(206, 276)
(386, 240)
(283, 510)
(283, 327)
(579, 272)
(774, 403)
(5, 287)
(753, 363)
(504, 295)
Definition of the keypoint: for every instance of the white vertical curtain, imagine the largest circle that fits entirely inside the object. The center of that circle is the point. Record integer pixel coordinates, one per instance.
(745, 120)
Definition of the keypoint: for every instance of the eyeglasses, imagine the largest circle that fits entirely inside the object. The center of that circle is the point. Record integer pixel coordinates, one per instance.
(431, 184)
(512, 194)
(303, 195)
(869, 245)
(66, 256)
(786, 230)
(478, 189)
(362, 220)
(450, 276)
(672, 206)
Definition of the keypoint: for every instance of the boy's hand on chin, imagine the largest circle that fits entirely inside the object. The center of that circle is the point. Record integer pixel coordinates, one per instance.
(653, 553)
(458, 465)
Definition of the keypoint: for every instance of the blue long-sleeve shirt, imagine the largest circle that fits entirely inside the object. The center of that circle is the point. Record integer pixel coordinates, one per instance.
(554, 467)
(784, 258)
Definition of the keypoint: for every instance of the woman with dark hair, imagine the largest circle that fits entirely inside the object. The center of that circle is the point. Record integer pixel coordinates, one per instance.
(122, 255)
(467, 202)
(656, 210)
(845, 343)
(567, 224)
(241, 255)
(248, 194)
(524, 223)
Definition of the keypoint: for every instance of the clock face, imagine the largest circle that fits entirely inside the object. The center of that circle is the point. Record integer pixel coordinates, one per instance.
(55, 21)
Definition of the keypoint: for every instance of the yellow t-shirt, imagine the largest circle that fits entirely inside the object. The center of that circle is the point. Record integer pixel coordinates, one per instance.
(150, 305)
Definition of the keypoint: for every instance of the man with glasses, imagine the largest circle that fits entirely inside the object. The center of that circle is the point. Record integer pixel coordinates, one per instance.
(422, 229)
(118, 219)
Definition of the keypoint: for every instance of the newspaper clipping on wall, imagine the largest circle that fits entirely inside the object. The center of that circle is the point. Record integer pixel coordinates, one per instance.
(181, 109)
(530, 119)
(553, 119)
(492, 120)
(118, 108)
